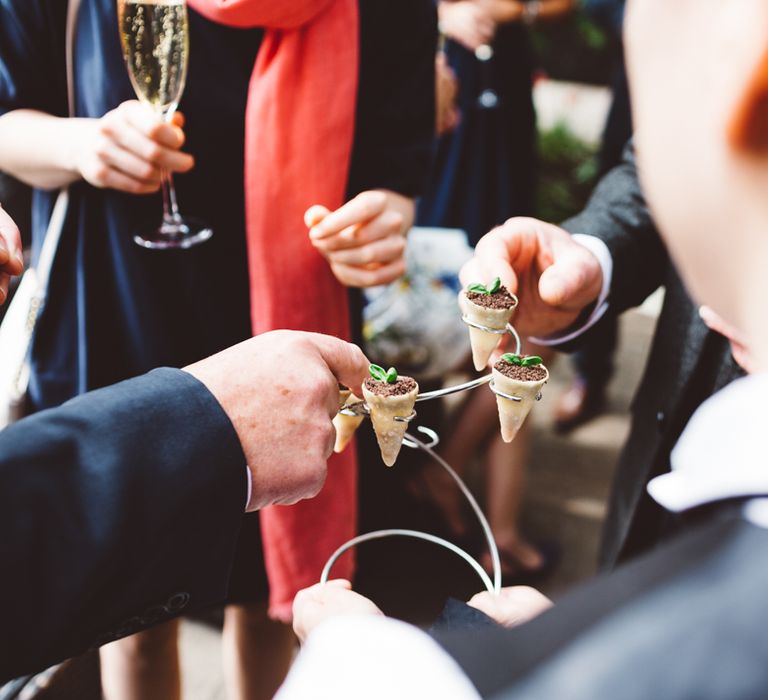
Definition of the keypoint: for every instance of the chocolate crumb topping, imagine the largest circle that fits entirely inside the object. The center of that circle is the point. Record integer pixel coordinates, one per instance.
(500, 299)
(534, 373)
(402, 386)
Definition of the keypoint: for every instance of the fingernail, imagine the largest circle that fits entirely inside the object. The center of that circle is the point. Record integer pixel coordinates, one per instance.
(3, 295)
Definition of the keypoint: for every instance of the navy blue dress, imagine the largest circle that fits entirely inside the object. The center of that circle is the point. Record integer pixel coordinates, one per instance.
(116, 310)
(485, 171)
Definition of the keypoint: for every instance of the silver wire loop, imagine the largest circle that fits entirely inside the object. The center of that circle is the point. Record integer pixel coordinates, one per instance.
(492, 586)
(406, 419)
(415, 534)
(499, 392)
(497, 331)
(434, 438)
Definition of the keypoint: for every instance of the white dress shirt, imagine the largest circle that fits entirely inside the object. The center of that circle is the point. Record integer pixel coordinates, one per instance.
(722, 453)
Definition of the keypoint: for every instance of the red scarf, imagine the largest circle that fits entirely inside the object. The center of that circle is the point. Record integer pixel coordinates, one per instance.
(299, 133)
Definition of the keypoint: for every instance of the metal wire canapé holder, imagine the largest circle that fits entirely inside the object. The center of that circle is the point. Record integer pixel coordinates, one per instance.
(413, 442)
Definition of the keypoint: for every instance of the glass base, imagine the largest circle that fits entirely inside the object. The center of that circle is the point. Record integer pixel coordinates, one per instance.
(181, 234)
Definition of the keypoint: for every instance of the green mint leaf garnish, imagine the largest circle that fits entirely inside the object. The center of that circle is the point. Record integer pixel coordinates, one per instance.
(532, 360)
(391, 376)
(482, 289)
(512, 359)
(378, 373)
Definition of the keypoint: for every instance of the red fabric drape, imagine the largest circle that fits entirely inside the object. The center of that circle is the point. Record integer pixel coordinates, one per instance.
(299, 134)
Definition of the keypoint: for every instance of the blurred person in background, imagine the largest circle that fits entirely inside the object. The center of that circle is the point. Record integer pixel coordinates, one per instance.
(484, 173)
(594, 362)
(116, 310)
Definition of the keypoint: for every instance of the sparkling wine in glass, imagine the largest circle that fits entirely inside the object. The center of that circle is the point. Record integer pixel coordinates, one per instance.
(154, 35)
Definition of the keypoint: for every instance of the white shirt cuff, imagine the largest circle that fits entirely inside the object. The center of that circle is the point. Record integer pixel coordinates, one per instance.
(598, 248)
(250, 486)
(376, 658)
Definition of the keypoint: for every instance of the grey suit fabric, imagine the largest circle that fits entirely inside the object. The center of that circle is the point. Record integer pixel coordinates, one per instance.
(118, 510)
(687, 362)
(687, 621)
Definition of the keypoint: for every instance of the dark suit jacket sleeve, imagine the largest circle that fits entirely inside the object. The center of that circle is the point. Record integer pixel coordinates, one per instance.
(117, 511)
(617, 214)
(681, 622)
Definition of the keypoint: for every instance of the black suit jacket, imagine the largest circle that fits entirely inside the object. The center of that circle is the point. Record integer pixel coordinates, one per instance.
(118, 510)
(687, 362)
(687, 621)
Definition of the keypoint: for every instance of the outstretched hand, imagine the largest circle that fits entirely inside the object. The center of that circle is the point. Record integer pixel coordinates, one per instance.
(11, 258)
(323, 601)
(554, 277)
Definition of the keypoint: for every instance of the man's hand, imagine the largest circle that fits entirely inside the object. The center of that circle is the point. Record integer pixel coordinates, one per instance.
(129, 147)
(554, 277)
(281, 392)
(466, 22)
(364, 240)
(513, 606)
(11, 257)
(324, 601)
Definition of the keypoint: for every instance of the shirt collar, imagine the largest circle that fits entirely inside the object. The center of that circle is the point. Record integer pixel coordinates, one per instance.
(722, 452)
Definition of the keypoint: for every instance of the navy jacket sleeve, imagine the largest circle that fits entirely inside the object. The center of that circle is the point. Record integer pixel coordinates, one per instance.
(395, 121)
(32, 56)
(118, 510)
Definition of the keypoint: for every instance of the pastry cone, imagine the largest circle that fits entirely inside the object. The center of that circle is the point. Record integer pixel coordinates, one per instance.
(346, 425)
(384, 410)
(512, 414)
(484, 343)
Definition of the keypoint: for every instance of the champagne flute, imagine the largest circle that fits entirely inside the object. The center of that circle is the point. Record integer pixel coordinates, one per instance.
(154, 36)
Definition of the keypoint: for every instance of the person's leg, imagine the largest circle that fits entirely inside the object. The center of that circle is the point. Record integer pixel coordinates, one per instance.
(506, 472)
(257, 652)
(144, 666)
(469, 430)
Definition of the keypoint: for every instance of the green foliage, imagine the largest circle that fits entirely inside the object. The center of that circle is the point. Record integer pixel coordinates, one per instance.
(567, 174)
(574, 49)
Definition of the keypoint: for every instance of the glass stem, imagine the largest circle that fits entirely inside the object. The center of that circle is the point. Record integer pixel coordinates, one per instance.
(170, 205)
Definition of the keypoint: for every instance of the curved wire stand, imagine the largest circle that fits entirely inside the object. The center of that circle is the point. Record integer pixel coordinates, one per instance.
(360, 409)
(413, 442)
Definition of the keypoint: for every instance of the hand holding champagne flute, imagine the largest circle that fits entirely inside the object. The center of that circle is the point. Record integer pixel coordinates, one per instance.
(155, 40)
